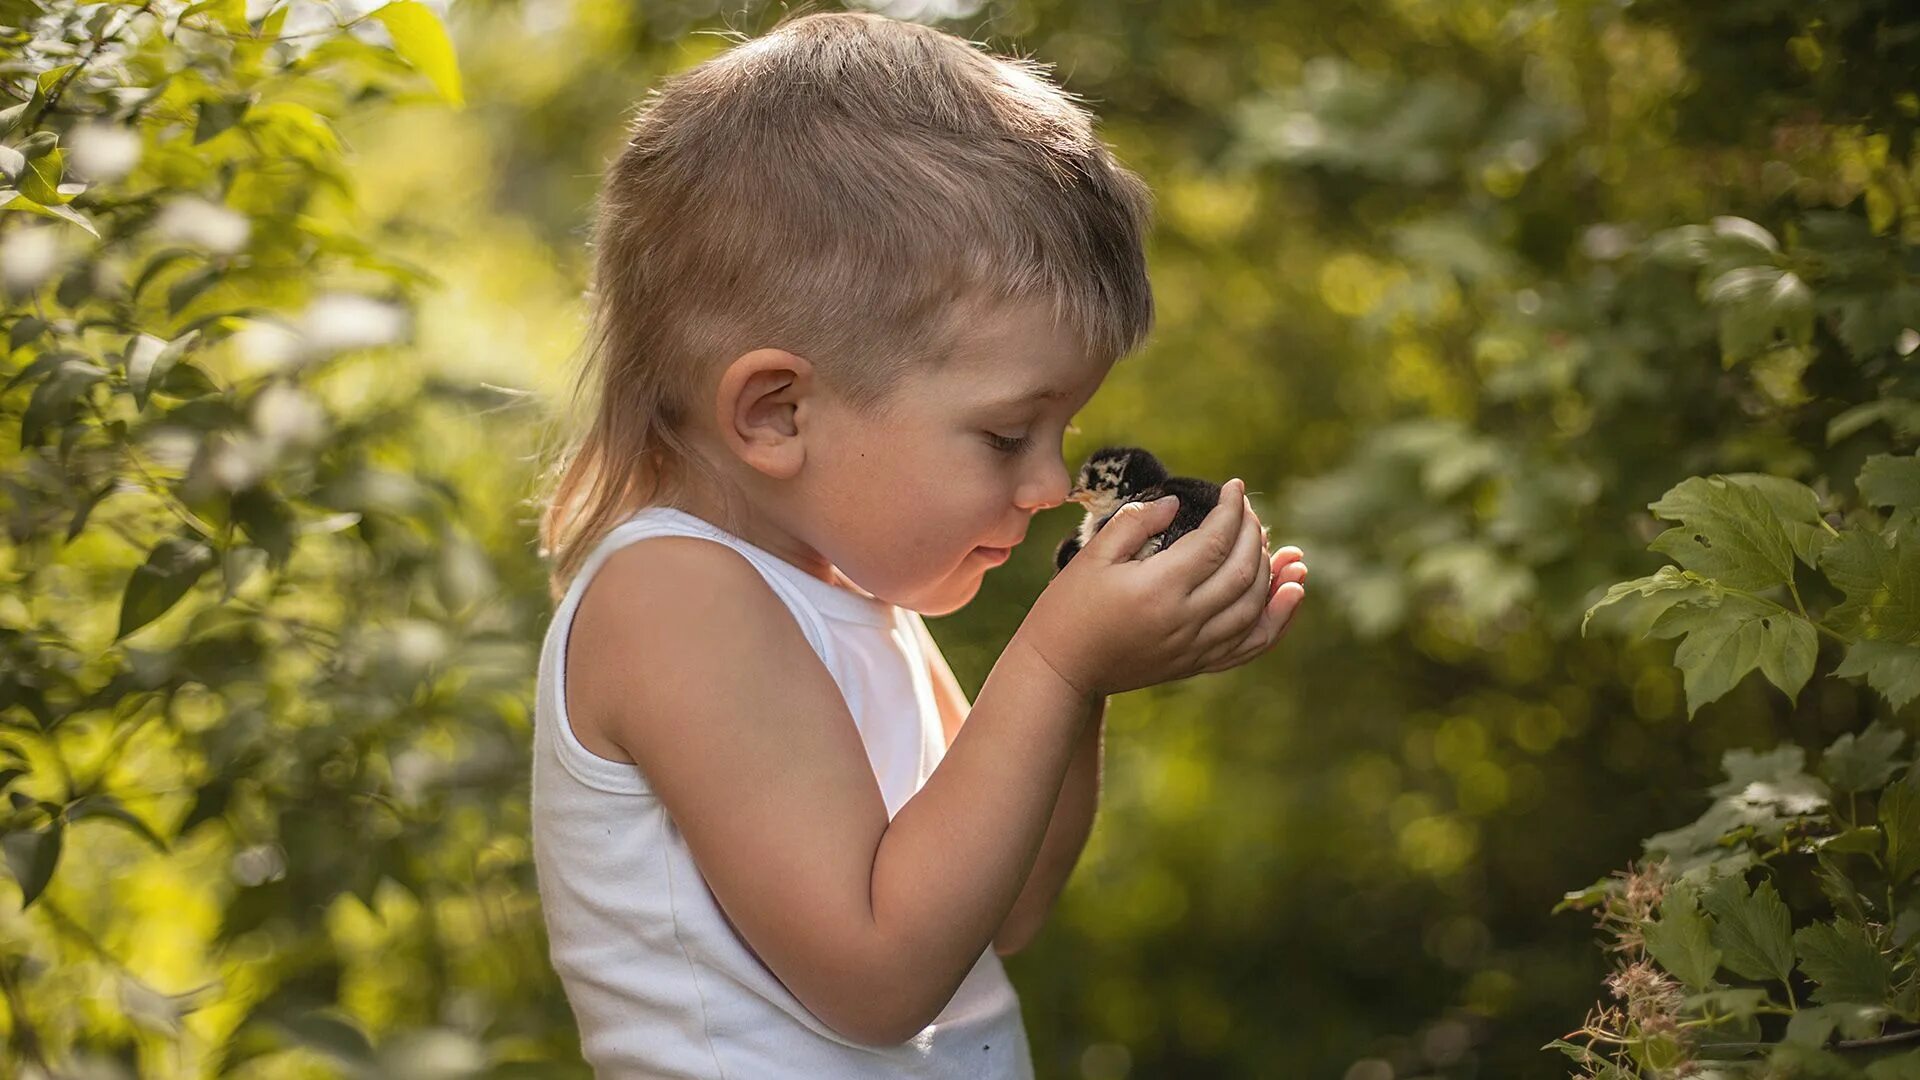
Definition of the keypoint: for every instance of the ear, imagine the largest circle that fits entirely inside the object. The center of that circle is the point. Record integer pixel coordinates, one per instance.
(761, 407)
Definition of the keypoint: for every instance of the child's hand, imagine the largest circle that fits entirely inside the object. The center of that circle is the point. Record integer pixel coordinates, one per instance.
(1108, 623)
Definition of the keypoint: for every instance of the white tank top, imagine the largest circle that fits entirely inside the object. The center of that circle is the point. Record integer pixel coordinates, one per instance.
(660, 982)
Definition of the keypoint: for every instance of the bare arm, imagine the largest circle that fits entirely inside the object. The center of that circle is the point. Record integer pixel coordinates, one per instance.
(1066, 838)
(744, 736)
(1073, 810)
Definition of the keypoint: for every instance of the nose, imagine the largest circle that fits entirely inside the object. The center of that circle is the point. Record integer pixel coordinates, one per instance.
(1048, 488)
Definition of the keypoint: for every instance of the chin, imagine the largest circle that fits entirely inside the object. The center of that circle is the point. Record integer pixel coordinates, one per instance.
(938, 602)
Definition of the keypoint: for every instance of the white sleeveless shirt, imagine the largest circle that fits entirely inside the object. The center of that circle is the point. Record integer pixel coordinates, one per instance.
(660, 982)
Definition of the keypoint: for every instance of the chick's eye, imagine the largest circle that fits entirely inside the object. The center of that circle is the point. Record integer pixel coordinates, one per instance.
(1008, 444)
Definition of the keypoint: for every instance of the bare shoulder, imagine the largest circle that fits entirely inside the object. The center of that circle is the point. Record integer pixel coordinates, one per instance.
(633, 612)
(695, 669)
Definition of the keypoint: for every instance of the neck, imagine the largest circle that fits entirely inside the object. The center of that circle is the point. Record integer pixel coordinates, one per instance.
(700, 498)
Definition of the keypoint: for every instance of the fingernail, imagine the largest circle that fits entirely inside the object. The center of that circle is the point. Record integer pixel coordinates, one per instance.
(1165, 499)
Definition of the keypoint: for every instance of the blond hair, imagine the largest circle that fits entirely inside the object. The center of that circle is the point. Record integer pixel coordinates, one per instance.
(844, 187)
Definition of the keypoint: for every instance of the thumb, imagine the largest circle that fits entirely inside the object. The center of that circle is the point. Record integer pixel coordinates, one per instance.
(1130, 527)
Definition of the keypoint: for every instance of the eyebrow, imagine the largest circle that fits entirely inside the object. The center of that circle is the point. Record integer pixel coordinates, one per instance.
(1044, 393)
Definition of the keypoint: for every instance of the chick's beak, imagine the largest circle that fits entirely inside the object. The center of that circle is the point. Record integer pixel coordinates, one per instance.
(1079, 495)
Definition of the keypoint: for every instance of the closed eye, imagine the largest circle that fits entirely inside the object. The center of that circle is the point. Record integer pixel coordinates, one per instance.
(1008, 444)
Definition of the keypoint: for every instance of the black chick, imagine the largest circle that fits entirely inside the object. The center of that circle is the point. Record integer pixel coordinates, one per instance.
(1116, 475)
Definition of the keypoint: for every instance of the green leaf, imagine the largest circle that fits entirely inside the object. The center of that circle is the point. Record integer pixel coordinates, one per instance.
(1682, 940)
(1726, 640)
(1764, 793)
(229, 14)
(1802, 1062)
(93, 499)
(149, 359)
(1781, 764)
(1871, 321)
(190, 285)
(1863, 762)
(1728, 531)
(1839, 889)
(332, 1034)
(1889, 480)
(209, 802)
(50, 78)
(55, 398)
(158, 263)
(421, 41)
(1904, 1067)
(1905, 927)
(219, 114)
(1901, 414)
(1796, 507)
(1856, 841)
(41, 365)
(1900, 820)
(175, 564)
(1673, 583)
(1754, 303)
(1658, 1054)
(107, 806)
(1751, 930)
(1740, 234)
(40, 178)
(31, 857)
(1845, 963)
(268, 522)
(14, 200)
(1881, 584)
(1734, 1001)
(1582, 899)
(1890, 667)
(25, 331)
(1815, 1024)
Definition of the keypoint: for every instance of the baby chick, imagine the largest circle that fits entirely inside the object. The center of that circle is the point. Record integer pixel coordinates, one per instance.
(1116, 475)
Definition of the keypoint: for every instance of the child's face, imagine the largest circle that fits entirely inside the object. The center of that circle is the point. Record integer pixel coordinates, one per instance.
(960, 460)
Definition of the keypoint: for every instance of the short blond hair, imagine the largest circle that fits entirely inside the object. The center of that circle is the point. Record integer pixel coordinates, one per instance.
(845, 187)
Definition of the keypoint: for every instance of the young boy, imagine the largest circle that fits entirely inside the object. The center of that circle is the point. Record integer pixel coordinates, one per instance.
(853, 279)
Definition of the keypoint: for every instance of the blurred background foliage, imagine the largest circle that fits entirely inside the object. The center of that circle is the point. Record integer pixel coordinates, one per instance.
(293, 295)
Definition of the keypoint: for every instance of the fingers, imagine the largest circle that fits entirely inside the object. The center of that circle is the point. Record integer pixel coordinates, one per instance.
(1193, 557)
(1286, 557)
(1276, 616)
(1274, 622)
(1232, 588)
(1130, 527)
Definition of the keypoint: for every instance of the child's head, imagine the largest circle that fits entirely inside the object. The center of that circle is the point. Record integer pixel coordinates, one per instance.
(821, 259)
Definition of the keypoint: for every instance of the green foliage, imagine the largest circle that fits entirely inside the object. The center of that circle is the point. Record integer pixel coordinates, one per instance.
(1748, 550)
(1689, 915)
(245, 610)
(1462, 289)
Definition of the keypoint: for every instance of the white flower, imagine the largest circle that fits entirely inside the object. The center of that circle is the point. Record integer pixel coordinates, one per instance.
(288, 416)
(28, 256)
(170, 447)
(417, 643)
(237, 460)
(103, 152)
(264, 345)
(338, 322)
(204, 224)
(259, 864)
